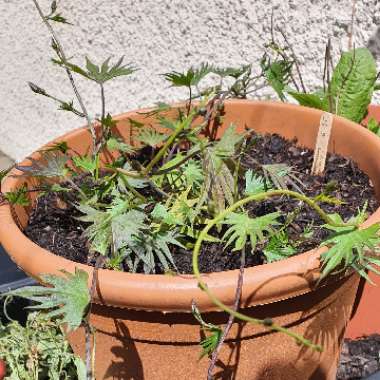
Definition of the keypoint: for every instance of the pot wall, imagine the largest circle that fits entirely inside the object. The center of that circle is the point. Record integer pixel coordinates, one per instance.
(150, 345)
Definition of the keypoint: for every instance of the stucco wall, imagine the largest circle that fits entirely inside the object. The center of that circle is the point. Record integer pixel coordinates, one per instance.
(158, 36)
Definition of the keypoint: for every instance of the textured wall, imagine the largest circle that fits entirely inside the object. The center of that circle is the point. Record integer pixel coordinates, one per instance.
(157, 36)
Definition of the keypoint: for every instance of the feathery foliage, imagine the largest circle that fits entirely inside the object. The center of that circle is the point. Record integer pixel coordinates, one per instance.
(242, 227)
(68, 296)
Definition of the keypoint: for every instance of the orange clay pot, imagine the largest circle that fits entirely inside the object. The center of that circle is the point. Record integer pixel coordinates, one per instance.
(365, 319)
(144, 327)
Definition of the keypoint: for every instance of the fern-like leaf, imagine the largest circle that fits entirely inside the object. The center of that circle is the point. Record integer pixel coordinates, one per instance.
(213, 333)
(151, 137)
(114, 144)
(99, 74)
(68, 296)
(226, 146)
(254, 184)
(277, 74)
(191, 77)
(51, 165)
(278, 247)
(243, 227)
(18, 196)
(351, 248)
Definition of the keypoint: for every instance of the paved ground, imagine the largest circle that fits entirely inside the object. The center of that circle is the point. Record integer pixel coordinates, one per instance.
(5, 161)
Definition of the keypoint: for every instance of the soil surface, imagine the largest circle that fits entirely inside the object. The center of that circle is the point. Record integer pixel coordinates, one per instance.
(57, 229)
(359, 358)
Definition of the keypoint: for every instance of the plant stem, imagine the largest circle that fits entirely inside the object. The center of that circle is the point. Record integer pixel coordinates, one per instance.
(230, 318)
(103, 100)
(182, 125)
(64, 59)
(351, 32)
(89, 331)
(178, 164)
(295, 59)
(132, 190)
(190, 100)
(257, 197)
(76, 187)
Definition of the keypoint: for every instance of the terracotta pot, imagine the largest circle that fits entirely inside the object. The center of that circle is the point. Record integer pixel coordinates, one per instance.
(365, 319)
(144, 328)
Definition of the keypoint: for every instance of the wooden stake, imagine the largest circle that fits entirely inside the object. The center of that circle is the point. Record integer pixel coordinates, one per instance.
(320, 151)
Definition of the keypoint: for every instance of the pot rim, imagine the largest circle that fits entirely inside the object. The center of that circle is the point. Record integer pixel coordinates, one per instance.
(167, 293)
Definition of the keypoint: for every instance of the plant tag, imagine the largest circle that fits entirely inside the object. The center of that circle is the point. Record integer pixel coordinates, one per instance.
(320, 150)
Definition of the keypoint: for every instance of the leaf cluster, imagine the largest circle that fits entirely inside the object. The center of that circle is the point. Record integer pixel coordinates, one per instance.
(38, 351)
(67, 298)
(348, 93)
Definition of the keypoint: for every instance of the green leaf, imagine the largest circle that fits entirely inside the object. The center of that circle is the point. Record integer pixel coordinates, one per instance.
(350, 248)
(127, 227)
(213, 333)
(3, 173)
(114, 144)
(108, 122)
(99, 74)
(86, 163)
(191, 77)
(81, 368)
(373, 126)
(18, 197)
(151, 137)
(278, 247)
(59, 18)
(36, 89)
(68, 296)
(309, 100)
(60, 146)
(226, 146)
(193, 173)
(37, 349)
(51, 164)
(281, 176)
(210, 342)
(352, 84)
(277, 74)
(162, 214)
(243, 227)
(234, 72)
(137, 183)
(254, 184)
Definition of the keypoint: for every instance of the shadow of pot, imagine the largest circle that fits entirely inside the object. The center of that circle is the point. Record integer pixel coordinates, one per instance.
(144, 327)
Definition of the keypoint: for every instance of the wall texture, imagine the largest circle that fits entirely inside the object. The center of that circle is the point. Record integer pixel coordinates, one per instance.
(157, 36)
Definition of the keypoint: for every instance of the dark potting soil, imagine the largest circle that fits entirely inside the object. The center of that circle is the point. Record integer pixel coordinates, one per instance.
(58, 230)
(359, 358)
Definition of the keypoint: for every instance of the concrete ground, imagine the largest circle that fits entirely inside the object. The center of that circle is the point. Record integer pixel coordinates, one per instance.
(5, 161)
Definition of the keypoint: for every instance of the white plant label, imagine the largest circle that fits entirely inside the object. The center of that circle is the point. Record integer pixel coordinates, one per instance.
(320, 151)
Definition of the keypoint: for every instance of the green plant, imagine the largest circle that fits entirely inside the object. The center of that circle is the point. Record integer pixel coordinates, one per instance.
(347, 87)
(39, 350)
(170, 190)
